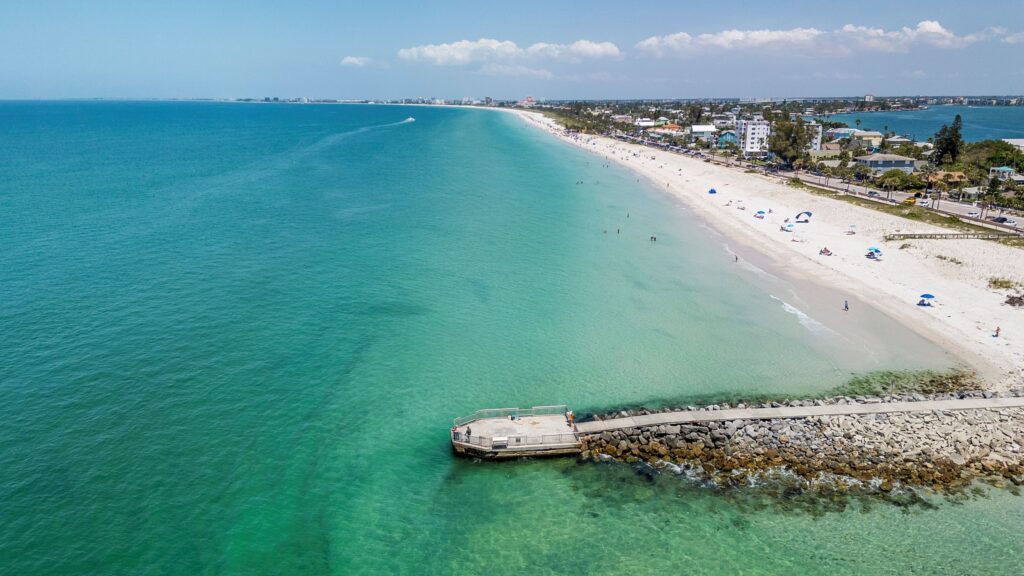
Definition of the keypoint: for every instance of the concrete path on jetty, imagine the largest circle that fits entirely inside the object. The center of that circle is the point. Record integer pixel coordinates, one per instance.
(692, 416)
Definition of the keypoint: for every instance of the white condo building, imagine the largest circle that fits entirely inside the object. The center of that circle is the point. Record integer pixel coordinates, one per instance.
(752, 135)
(814, 131)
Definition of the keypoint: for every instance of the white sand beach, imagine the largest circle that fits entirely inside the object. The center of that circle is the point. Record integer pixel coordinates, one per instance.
(966, 311)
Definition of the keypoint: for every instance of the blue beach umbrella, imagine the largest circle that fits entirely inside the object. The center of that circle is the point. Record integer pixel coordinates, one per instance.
(927, 296)
(712, 191)
(760, 211)
(789, 225)
(873, 249)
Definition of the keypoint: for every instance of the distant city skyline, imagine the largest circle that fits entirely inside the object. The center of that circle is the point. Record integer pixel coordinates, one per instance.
(597, 50)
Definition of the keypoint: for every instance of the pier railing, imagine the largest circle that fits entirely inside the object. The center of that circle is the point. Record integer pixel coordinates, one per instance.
(506, 412)
(512, 442)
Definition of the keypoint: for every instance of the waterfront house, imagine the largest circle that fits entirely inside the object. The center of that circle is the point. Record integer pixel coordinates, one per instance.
(705, 132)
(727, 137)
(898, 141)
(867, 139)
(841, 133)
(669, 129)
(1004, 173)
(723, 120)
(879, 163)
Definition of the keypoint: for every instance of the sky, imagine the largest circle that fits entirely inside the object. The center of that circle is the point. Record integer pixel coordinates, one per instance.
(550, 50)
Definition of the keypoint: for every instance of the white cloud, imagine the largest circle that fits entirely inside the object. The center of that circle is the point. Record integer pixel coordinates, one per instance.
(465, 52)
(681, 42)
(811, 41)
(927, 32)
(577, 50)
(461, 52)
(1017, 38)
(355, 61)
(514, 70)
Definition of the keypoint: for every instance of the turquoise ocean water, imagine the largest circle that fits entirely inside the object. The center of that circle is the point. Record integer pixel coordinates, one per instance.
(233, 337)
(979, 122)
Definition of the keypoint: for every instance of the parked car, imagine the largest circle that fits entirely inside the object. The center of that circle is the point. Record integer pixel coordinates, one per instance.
(1010, 222)
(873, 193)
(973, 214)
(999, 219)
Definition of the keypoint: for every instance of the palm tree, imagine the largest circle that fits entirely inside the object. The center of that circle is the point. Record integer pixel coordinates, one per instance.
(947, 184)
(940, 187)
(857, 122)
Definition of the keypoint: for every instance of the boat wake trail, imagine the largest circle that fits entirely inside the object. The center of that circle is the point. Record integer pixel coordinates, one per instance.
(328, 141)
(185, 197)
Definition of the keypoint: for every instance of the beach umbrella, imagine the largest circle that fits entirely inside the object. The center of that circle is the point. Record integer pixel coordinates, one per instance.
(712, 191)
(798, 216)
(873, 249)
(760, 211)
(927, 296)
(789, 225)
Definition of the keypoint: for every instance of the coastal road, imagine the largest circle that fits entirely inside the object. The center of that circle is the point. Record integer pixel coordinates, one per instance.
(960, 209)
(697, 416)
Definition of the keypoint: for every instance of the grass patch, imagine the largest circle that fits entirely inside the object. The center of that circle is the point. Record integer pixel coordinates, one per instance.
(950, 259)
(909, 382)
(797, 183)
(1001, 283)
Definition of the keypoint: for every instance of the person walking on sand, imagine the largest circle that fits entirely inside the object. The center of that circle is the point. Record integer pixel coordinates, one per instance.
(846, 305)
(996, 335)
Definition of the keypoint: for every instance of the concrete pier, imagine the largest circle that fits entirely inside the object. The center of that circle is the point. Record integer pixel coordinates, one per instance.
(696, 416)
(515, 432)
(545, 431)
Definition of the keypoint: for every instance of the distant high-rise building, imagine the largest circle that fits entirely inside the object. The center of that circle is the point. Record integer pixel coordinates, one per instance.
(869, 97)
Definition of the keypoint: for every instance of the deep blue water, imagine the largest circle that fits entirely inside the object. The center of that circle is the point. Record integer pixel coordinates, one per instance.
(979, 123)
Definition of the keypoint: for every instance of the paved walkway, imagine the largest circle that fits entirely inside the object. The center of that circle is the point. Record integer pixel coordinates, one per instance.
(691, 416)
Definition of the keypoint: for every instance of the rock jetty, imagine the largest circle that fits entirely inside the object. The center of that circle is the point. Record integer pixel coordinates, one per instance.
(942, 450)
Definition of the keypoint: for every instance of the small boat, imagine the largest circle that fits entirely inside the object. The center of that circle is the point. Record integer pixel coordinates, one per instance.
(410, 119)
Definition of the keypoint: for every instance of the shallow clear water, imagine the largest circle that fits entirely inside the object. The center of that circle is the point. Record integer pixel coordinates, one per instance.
(979, 122)
(233, 337)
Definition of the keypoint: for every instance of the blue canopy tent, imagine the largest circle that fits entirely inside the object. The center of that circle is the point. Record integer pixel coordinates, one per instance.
(712, 191)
